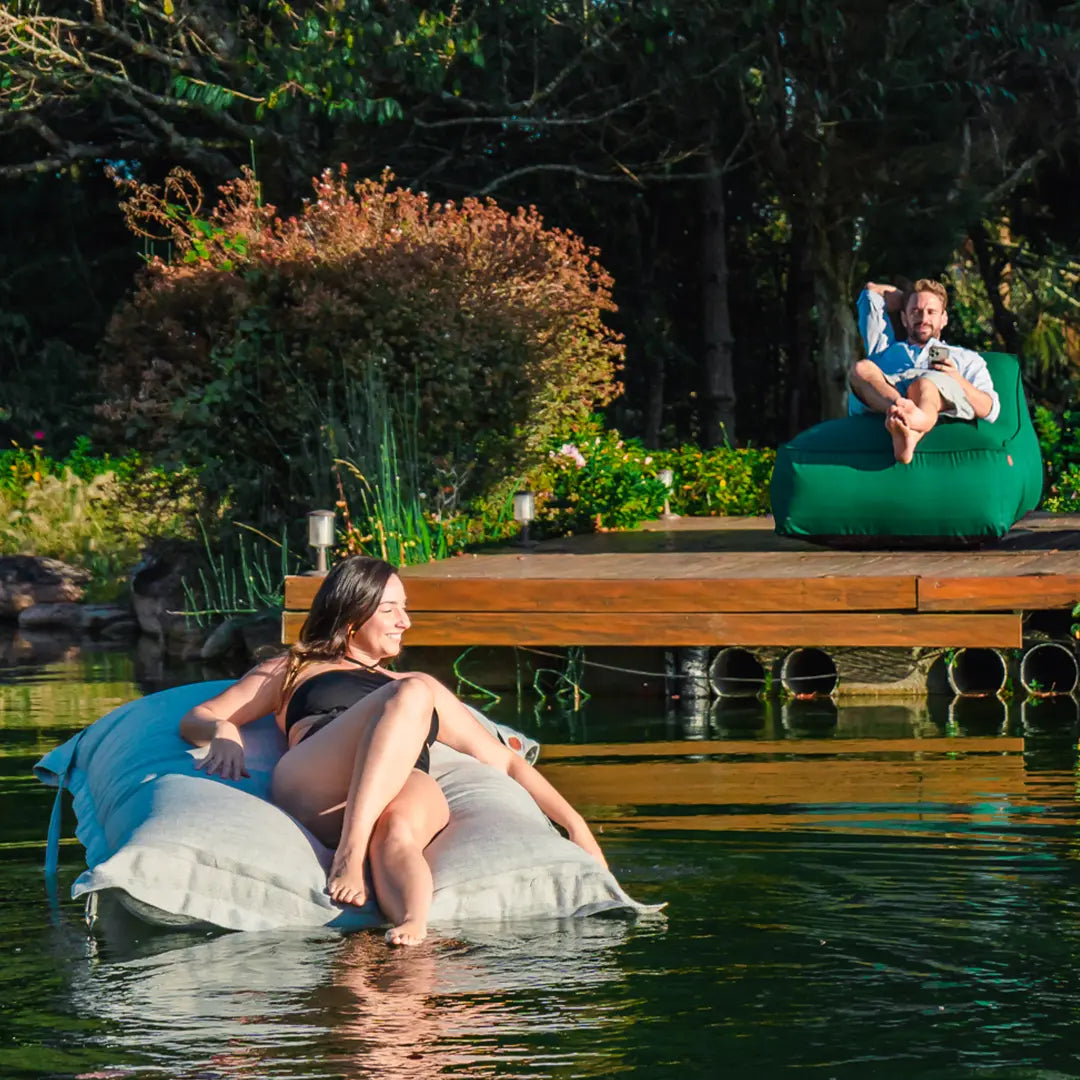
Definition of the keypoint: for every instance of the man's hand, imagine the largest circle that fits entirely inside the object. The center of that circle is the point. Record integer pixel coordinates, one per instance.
(894, 297)
(947, 365)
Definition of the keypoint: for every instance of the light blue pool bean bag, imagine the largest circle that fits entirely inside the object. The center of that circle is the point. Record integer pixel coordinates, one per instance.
(180, 848)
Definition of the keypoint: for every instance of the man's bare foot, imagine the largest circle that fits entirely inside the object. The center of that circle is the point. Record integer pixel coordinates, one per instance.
(914, 417)
(410, 932)
(345, 882)
(904, 439)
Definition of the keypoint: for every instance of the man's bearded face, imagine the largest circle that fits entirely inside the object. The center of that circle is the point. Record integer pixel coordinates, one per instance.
(923, 318)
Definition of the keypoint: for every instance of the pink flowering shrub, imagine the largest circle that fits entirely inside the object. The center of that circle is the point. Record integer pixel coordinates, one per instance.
(235, 353)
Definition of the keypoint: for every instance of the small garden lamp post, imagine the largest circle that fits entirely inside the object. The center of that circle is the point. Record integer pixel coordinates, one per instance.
(524, 512)
(320, 533)
(667, 478)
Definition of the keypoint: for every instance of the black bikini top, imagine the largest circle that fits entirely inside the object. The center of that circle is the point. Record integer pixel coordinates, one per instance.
(332, 692)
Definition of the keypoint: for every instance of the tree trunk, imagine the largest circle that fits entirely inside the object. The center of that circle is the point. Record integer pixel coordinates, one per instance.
(838, 335)
(996, 272)
(719, 380)
(654, 333)
(801, 377)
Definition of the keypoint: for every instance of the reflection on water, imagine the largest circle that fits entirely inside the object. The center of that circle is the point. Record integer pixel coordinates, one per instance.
(349, 1002)
(881, 889)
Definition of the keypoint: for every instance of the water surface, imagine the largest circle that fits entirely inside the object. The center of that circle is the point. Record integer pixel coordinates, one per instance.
(874, 891)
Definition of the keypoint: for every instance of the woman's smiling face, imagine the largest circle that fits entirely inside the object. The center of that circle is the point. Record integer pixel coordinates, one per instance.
(380, 636)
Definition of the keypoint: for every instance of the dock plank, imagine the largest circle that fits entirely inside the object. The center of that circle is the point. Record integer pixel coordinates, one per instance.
(1017, 592)
(680, 629)
(637, 595)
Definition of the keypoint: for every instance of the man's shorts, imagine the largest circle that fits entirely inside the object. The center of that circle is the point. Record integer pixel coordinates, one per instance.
(954, 402)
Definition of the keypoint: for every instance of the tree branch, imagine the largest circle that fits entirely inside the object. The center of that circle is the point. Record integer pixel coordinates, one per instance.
(627, 176)
(1009, 184)
(537, 121)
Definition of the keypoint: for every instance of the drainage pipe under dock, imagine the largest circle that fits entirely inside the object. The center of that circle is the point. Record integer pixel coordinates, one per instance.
(1049, 668)
(808, 673)
(736, 673)
(977, 672)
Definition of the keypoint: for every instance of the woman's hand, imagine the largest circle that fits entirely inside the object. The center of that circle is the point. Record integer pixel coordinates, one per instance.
(216, 723)
(225, 754)
(583, 837)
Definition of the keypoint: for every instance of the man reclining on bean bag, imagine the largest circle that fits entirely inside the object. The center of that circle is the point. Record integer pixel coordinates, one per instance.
(914, 382)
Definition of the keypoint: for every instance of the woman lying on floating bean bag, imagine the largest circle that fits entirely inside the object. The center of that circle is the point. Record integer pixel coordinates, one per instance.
(356, 770)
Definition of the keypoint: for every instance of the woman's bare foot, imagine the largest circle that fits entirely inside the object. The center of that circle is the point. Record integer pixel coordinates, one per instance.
(410, 932)
(345, 882)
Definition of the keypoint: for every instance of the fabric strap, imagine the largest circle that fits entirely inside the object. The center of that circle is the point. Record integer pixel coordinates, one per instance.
(52, 843)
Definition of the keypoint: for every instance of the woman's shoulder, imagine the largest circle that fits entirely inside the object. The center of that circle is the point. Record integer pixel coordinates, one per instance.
(272, 666)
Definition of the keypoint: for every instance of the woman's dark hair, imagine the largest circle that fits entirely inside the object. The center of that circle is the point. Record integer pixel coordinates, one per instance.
(347, 598)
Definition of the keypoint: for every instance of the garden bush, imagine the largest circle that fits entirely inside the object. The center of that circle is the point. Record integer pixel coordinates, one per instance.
(723, 481)
(91, 511)
(1059, 441)
(234, 354)
(596, 479)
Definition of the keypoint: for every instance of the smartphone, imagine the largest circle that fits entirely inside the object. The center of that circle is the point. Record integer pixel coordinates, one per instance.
(938, 355)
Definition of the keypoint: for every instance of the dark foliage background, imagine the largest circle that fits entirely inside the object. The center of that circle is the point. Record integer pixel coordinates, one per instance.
(742, 168)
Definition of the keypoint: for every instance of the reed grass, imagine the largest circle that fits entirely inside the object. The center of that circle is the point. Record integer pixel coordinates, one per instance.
(378, 468)
(243, 577)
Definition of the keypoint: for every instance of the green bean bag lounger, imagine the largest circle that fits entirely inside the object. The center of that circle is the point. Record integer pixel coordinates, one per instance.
(970, 481)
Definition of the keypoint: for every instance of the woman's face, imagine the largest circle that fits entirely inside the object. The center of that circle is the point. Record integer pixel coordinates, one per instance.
(380, 636)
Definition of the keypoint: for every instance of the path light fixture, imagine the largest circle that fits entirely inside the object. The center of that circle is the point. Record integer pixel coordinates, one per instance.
(524, 512)
(320, 535)
(667, 478)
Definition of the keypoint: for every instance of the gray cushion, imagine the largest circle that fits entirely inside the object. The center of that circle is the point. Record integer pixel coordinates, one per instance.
(183, 848)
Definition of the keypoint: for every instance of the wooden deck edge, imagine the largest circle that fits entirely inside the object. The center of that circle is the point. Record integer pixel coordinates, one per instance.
(877, 629)
(1024, 592)
(529, 596)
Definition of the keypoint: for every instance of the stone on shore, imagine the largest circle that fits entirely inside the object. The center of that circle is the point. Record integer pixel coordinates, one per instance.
(26, 580)
(110, 621)
(160, 600)
(51, 617)
(157, 585)
(224, 640)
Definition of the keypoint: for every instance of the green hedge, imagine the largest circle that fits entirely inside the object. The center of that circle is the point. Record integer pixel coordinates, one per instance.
(596, 479)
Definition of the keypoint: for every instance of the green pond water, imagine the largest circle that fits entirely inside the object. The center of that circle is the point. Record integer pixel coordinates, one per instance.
(869, 891)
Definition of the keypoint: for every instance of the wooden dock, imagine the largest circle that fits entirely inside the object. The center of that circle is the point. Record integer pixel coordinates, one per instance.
(732, 581)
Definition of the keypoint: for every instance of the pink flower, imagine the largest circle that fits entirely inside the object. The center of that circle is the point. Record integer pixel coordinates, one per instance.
(571, 452)
(38, 436)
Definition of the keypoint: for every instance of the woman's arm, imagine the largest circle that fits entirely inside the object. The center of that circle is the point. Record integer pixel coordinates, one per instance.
(460, 730)
(218, 721)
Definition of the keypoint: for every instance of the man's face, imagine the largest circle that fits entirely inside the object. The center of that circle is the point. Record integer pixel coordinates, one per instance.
(923, 318)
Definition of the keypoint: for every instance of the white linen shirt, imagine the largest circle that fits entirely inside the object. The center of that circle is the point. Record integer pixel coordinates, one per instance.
(895, 357)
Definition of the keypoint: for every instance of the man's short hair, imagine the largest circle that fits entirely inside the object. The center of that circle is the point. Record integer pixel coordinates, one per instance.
(926, 285)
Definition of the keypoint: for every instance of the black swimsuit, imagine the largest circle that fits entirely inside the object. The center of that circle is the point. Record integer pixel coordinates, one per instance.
(323, 697)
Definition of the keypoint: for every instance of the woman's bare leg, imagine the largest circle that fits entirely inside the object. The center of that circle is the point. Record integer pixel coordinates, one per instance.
(339, 781)
(403, 884)
(384, 760)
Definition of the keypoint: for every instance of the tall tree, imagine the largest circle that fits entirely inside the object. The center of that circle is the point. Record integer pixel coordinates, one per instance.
(912, 114)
